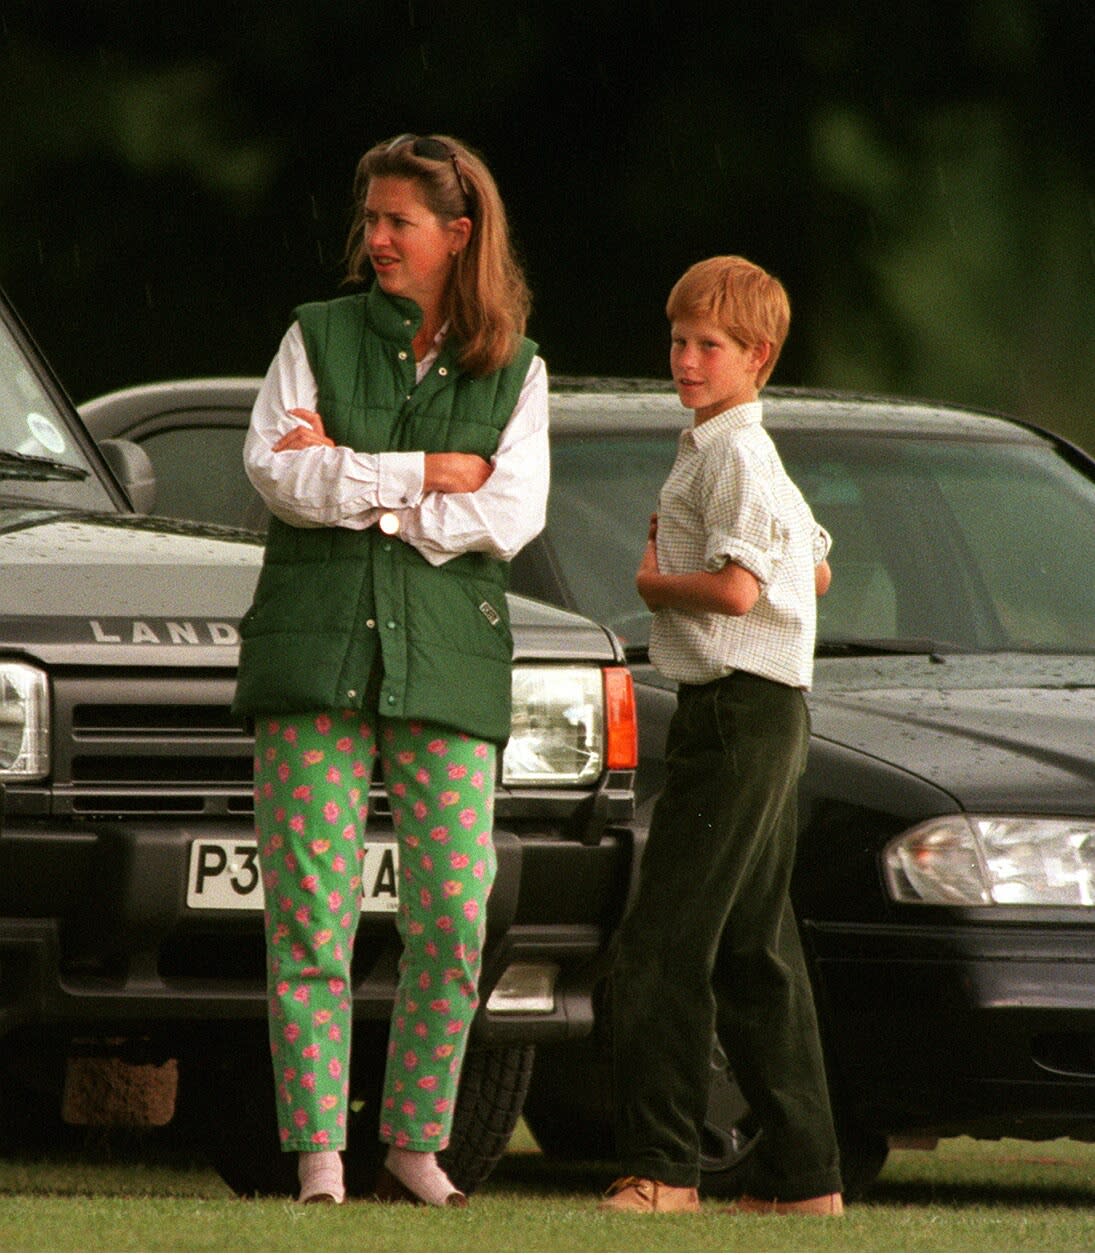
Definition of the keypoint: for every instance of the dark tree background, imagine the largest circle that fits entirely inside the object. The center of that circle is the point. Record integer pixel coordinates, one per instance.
(174, 178)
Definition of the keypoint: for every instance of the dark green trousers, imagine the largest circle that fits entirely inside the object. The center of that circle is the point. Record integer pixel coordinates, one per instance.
(711, 945)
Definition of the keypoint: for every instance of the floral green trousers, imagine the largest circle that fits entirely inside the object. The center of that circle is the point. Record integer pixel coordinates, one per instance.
(312, 775)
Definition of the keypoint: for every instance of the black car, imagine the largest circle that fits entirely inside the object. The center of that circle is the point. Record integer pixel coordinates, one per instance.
(945, 884)
(132, 959)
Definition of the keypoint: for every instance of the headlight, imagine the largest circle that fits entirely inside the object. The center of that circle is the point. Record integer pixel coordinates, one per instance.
(558, 726)
(24, 722)
(994, 860)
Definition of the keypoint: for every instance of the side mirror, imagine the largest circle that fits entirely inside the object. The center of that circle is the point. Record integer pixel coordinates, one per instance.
(133, 469)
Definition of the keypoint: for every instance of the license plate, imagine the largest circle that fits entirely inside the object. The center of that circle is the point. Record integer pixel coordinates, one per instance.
(224, 876)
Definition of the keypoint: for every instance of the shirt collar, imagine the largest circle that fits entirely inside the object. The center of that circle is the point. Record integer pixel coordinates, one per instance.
(737, 418)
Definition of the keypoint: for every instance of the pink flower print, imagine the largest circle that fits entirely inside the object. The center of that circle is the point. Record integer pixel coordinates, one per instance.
(455, 973)
(334, 776)
(477, 780)
(410, 1060)
(442, 1105)
(415, 727)
(405, 757)
(310, 1052)
(416, 928)
(322, 1017)
(479, 870)
(291, 862)
(308, 1081)
(311, 757)
(468, 817)
(408, 1108)
(289, 1075)
(290, 735)
(385, 1132)
(338, 863)
(457, 771)
(349, 832)
(412, 841)
(334, 900)
(331, 812)
(303, 792)
(300, 1117)
(438, 746)
(359, 769)
(432, 1129)
(471, 910)
(426, 898)
(297, 823)
(321, 1137)
(401, 1139)
(328, 1101)
(444, 1051)
(309, 884)
(297, 952)
(442, 1005)
(291, 1033)
(440, 834)
(431, 949)
(334, 1033)
(444, 923)
(322, 937)
(458, 861)
(449, 797)
(454, 1027)
(424, 981)
(334, 1069)
(344, 924)
(301, 995)
(319, 846)
(411, 1005)
(452, 888)
(428, 1083)
(344, 744)
(422, 776)
(420, 810)
(426, 863)
(483, 839)
(336, 985)
(283, 772)
(323, 724)
(282, 988)
(481, 750)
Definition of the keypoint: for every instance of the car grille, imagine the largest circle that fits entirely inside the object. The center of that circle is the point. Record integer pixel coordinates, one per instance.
(135, 744)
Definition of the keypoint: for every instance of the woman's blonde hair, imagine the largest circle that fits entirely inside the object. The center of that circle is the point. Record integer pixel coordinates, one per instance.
(488, 300)
(747, 302)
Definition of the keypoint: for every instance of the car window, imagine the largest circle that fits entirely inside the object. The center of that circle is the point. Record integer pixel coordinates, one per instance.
(200, 475)
(41, 461)
(976, 545)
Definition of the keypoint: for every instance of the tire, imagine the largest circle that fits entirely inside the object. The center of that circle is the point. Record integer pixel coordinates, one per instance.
(232, 1100)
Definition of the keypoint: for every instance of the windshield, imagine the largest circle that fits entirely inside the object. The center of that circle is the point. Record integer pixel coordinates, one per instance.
(41, 462)
(939, 544)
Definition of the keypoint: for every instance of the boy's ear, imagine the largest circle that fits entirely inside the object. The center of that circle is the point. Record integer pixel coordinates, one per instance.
(761, 352)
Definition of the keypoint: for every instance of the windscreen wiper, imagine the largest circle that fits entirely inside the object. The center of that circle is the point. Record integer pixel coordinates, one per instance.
(868, 646)
(28, 466)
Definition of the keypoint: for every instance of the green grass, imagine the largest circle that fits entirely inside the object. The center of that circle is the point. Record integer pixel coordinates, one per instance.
(965, 1196)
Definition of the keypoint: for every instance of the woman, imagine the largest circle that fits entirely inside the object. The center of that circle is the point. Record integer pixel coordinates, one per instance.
(400, 442)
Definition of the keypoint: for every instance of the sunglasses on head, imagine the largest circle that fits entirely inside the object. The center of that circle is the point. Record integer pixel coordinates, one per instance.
(431, 149)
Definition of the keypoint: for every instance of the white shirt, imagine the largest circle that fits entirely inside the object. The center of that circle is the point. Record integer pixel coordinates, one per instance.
(324, 487)
(728, 498)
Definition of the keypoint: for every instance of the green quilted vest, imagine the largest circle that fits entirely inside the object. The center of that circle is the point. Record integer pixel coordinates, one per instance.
(331, 603)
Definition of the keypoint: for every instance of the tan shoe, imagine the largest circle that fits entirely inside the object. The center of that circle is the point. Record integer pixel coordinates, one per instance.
(644, 1194)
(822, 1205)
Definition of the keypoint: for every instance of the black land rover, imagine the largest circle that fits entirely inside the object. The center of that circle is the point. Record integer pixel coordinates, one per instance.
(132, 975)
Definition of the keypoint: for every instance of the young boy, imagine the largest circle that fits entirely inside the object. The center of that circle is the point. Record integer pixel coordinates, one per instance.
(732, 568)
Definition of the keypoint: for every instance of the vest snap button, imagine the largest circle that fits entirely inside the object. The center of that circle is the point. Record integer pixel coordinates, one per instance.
(391, 699)
(442, 370)
(402, 355)
(391, 625)
(370, 623)
(351, 693)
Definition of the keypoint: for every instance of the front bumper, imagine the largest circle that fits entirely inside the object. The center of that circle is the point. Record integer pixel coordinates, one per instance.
(965, 1028)
(96, 937)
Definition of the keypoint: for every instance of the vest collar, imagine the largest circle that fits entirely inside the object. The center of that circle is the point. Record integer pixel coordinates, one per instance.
(392, 317)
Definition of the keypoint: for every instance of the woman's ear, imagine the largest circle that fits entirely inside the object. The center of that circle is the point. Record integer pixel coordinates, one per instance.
(459, 234)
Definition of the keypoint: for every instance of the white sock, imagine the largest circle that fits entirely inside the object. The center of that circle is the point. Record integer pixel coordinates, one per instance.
(320, 1172)
(421, 1173)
